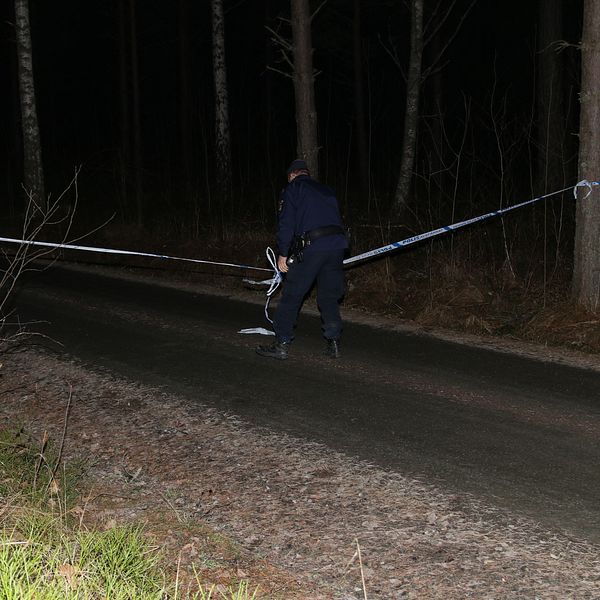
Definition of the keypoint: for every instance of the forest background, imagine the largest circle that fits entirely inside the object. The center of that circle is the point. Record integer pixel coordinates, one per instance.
(127, 92)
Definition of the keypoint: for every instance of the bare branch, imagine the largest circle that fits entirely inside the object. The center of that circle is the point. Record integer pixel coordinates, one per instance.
(39, 215)
(62, 440)
(436, 25)
(561, 45)
(318, 10)
(393, 54)
(270, 68)
(285, 48)
(452, 37)
(279, 39)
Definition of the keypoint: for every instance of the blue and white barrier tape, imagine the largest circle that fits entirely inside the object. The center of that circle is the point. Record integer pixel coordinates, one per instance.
(496, 213)
(274, 282)
(128, 253)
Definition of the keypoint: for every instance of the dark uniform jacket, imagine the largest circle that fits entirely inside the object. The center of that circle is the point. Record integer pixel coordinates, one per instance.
(306, 205)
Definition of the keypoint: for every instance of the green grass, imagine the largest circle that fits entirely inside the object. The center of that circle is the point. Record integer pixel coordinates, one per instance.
(31, 469)
(46, 555)
(39, 558)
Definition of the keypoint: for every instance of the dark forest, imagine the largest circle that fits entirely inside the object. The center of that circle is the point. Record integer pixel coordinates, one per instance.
(498, 123)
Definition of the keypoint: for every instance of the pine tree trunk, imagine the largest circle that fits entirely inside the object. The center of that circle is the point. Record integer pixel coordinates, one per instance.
(549, 98)
(32, 149)
(411, 118)
(222, 134)
(304, 86)
(586, 275)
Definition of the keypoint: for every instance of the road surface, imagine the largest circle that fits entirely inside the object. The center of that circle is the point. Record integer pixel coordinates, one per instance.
(519, 433)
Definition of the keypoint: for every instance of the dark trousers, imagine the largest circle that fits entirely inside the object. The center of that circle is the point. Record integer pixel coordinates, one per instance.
(326, 268)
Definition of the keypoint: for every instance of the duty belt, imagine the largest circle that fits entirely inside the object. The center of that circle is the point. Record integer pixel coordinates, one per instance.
(319, 232)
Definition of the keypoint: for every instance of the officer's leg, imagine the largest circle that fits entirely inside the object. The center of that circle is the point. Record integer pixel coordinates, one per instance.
(297, 283)
(330, 290)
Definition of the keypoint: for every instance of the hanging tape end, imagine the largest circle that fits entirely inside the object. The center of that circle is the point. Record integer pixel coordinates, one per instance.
(586, 184)
(259, 330)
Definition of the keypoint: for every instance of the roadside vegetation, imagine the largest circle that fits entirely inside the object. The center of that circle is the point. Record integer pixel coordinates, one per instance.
(48, 550)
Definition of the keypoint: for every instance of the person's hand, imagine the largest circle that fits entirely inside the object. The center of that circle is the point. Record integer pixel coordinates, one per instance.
(282, 264)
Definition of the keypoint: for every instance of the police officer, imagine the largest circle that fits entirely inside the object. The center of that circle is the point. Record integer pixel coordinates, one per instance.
(311, 245)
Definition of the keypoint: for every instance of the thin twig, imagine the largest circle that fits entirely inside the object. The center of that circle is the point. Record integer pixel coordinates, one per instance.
(177, 575)
(317, 10)
(41, 459)
(16, 543)
(64, 433)
(362, 573)
(83, 510)
(171, 507)
(270, 68)
(279, 39)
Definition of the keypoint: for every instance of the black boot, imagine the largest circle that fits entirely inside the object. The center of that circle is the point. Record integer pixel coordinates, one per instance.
(278, 350)
(333, 349)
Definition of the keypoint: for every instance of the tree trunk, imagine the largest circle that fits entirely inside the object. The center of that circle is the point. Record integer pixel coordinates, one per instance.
(549, 97)
(32, 149)
(411, 117)
(222, 135)
(586, 274)
(304, 86)
(362, 153)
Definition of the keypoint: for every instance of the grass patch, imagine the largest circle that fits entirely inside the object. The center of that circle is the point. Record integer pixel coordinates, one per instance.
(46, 554)
(31, 472)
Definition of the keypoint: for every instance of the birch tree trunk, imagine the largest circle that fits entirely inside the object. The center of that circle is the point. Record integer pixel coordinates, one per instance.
(304, 86)
(411, 116)
(32, 149)
(222, 134)
(586, 274)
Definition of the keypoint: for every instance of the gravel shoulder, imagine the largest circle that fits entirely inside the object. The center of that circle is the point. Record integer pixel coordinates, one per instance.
(295, 513)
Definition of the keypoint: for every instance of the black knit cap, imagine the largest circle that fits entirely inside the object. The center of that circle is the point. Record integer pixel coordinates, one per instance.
(297, 165)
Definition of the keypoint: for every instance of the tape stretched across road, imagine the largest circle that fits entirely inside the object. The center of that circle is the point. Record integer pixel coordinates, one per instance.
(448, 228)
(275, 281)
(128, 253)
(353, 259)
